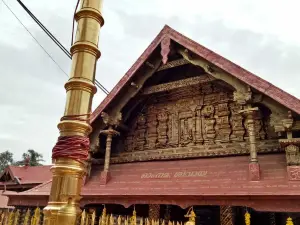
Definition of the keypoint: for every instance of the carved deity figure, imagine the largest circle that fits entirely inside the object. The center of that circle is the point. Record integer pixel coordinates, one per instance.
(209, 123)
(292, 155)
(129, 142)
(238, 129)
(151, 131)
(162, 128)
(140, 132)
(198, 128)
(186, 128)
(173, 129)
(222, 123)
(259, 126)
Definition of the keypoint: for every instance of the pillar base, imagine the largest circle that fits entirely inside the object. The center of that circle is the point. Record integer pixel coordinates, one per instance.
(104, 177)
(293, 172)
(254, 171)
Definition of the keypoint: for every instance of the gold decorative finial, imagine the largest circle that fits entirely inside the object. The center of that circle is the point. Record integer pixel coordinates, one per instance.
(289, 221)
(192, 217)
(247, 218)
(133, 218)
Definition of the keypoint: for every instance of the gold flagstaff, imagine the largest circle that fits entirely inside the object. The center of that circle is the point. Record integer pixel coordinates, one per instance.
(71, 150)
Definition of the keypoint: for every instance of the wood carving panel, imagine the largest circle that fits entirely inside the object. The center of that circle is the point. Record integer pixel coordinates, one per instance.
(190, 116)
(237, 125)
(223, 127)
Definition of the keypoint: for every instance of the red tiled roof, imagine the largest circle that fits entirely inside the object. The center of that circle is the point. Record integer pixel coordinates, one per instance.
(29, 174)
(252, 80)
(196, 177)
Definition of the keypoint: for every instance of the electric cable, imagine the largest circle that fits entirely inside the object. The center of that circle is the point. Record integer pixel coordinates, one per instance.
(35, 38)
(52, 37)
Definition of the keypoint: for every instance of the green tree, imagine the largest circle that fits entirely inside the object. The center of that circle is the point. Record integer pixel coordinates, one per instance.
(6, 158)
(31, 158)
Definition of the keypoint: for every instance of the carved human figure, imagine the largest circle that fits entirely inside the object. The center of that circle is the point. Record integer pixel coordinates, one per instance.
(292, 155)
(152, 133)
(173, 129)
(162, 128)
(186, 128)
(140, 133)
(236, 120)
(222, 123)
(260, 126)
(129, 142)
(209, 123)
(198, 128)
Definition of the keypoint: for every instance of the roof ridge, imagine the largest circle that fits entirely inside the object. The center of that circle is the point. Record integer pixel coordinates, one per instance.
(236, 65)
(255, 81)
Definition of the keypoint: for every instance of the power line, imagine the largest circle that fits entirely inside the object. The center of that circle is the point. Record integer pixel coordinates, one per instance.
(35, 38)
(45, 30)
(52, 37)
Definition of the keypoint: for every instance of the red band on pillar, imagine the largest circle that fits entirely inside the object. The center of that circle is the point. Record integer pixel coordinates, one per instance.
(72, 147)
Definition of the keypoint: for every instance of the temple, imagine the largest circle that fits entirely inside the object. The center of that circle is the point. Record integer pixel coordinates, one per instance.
(186, 127)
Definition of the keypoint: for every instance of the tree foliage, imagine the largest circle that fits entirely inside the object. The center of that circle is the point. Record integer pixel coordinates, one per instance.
(6, 158)
(30, 158)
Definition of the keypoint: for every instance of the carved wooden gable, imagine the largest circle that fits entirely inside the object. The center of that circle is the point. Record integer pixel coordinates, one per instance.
(191, 121)
(181, 100)
(189, 116)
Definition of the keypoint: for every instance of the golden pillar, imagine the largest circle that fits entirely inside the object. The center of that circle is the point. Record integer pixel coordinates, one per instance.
(71, 150)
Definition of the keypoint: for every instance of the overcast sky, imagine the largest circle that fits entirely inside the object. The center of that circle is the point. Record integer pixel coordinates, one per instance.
(262, 36)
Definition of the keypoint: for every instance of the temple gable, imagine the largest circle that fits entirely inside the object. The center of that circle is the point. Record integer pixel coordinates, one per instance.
(180, 100)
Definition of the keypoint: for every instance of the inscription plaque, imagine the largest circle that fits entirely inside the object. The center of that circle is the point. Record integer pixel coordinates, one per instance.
(180, 174)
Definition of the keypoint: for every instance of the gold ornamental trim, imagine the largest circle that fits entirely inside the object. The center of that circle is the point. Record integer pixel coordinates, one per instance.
(69, 166)
(86, 47)
(74, 128)
(90, 13)
(80, 84)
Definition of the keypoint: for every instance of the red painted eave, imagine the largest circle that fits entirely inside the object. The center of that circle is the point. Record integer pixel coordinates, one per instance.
(247, 77)
(220, 177)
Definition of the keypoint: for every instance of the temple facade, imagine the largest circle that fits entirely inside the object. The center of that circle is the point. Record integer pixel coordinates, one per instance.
(186, 127)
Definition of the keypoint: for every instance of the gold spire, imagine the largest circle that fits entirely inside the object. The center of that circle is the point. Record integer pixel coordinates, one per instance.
(69, 171)
(192, 217)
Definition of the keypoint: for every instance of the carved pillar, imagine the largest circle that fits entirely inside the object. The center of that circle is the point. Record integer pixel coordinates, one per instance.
(226, 215)
(254, 169)
(154, 212)
(110, 121)
(291, 146)
(105, 176)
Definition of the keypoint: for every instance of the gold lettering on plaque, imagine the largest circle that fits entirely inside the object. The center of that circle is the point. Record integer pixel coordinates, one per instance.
(174, 175)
